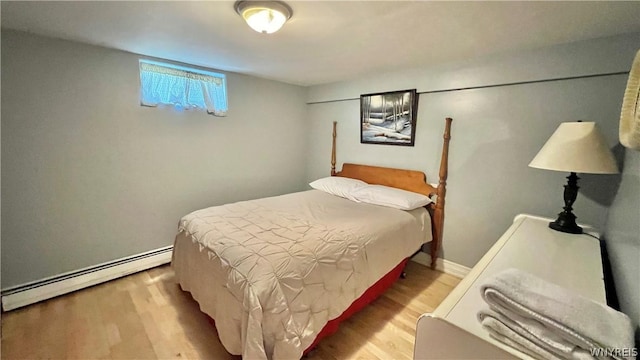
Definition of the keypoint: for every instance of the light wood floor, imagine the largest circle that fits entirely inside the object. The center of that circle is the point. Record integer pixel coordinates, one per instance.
(147, 316)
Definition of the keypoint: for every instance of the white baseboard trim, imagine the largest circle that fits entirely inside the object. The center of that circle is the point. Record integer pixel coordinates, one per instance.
(22, 295)
(446, 266)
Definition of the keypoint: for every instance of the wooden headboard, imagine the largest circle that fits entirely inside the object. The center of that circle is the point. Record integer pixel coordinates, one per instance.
(410, 180)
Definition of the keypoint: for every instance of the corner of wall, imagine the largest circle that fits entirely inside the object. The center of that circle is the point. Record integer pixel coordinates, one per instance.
(622, 238)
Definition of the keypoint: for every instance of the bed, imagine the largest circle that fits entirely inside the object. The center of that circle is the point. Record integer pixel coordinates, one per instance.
(278, 274)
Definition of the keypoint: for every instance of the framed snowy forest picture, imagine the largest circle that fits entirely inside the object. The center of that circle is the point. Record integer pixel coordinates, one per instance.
(389, 118)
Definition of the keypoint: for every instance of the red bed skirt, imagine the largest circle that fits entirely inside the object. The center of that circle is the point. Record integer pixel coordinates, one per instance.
(365, 299)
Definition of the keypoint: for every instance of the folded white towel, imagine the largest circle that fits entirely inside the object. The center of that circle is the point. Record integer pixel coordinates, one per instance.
(548, 321)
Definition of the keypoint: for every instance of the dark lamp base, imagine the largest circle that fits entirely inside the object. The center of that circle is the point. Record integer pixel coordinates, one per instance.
(566, 221)
(571, 228)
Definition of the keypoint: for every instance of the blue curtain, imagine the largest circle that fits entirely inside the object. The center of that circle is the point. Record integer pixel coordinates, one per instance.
(187, 88)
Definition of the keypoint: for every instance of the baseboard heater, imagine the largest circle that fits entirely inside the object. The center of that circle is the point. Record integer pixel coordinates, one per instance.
(22, 295)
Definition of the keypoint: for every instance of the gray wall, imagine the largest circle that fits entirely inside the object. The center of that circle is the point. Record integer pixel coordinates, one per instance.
(88, 175)
(623, 238)
(495, 134)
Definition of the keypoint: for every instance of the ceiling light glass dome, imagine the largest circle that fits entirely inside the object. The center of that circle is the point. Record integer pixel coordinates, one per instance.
(264, 17)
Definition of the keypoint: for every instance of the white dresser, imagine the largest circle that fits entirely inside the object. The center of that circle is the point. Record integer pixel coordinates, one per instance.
(572, 261)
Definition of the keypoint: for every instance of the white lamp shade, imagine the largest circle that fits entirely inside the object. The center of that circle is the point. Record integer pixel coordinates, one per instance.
(264, 16)
(576, 147)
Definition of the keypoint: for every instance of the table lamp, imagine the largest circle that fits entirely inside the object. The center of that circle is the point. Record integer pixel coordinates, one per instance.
(575, 147)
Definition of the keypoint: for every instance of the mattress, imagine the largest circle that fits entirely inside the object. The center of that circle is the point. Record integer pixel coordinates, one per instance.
(272, 272)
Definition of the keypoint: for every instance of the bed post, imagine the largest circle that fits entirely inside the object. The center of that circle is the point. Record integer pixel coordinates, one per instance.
(438, 216)
(333, 151)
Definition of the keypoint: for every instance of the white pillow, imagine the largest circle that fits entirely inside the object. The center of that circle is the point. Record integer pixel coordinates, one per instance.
(391, 197)
(339, 186)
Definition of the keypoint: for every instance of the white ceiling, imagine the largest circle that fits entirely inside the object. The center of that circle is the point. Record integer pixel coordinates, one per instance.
(325, 41)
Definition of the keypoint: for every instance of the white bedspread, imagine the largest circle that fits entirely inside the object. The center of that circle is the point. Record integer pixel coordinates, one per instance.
(272, 272)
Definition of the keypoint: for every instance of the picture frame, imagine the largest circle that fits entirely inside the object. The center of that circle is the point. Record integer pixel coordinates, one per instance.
(389, 118)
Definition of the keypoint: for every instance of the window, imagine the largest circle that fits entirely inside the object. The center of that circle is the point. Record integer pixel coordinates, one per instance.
(162, 83)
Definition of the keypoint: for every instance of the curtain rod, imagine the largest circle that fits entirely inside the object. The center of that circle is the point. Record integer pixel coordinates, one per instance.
(491, 86)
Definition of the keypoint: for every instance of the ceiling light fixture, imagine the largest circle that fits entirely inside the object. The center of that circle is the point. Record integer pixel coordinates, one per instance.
(264, 16)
